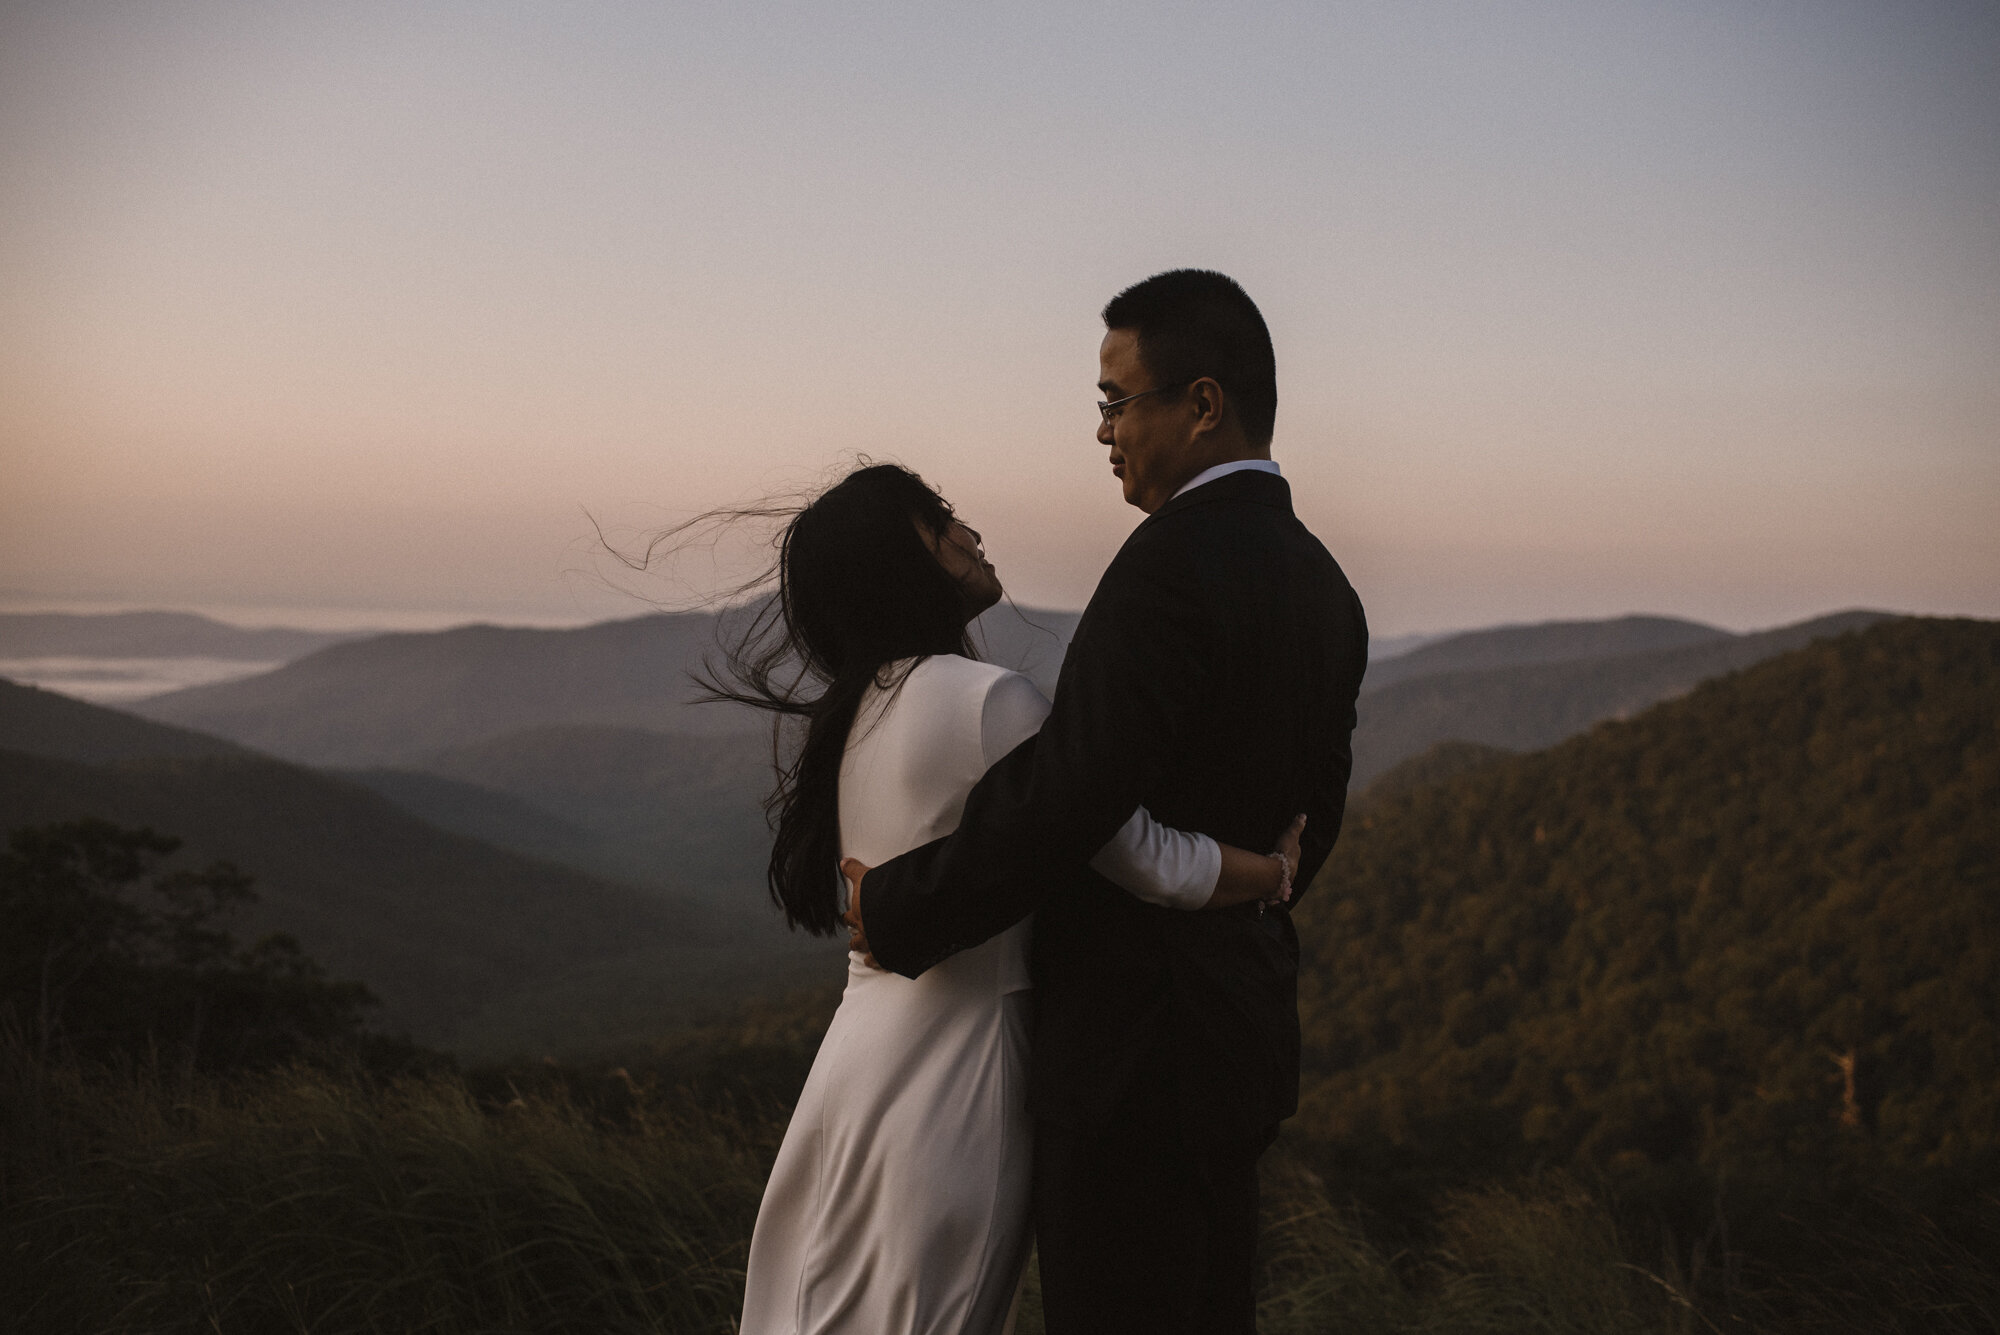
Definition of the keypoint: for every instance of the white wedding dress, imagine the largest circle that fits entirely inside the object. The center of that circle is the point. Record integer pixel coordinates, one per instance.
(898, 1204)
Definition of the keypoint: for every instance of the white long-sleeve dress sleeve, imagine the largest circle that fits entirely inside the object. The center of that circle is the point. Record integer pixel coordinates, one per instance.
(1151, 861)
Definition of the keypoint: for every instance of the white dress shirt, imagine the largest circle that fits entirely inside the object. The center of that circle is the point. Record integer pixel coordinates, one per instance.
(1224, 470)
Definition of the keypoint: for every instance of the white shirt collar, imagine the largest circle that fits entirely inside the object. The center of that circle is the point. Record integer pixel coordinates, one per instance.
(1223, 470)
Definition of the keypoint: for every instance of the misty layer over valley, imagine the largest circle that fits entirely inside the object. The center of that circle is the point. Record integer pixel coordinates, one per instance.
(121, 657)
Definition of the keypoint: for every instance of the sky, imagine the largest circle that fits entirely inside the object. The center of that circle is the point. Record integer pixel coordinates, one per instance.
(374, 312)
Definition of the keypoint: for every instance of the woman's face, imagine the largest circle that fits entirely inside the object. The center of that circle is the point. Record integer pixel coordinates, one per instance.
(957, 549)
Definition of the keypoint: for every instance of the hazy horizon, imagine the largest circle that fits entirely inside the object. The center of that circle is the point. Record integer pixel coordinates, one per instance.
(364, 619)
(1580, 310)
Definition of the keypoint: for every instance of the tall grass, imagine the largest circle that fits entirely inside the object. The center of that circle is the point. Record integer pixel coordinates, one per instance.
(1548, 1256)
(1537, 1258)
(543, 1200)
(307, 1201)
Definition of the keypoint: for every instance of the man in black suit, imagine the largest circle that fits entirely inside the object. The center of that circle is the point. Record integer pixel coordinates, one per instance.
(1212, 680)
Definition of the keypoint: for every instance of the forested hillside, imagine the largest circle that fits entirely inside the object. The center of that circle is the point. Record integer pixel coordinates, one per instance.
(45, 723)
(438, 925)
(661, 921)
(1758, 922)
(474, 947)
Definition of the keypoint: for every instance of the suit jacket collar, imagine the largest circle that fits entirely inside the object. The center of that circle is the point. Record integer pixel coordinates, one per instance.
(1251, 484)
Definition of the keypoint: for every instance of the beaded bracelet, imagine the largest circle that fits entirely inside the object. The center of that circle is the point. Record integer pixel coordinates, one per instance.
(1284, 894)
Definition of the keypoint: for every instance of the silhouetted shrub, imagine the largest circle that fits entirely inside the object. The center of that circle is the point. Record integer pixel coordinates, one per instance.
(107, 955)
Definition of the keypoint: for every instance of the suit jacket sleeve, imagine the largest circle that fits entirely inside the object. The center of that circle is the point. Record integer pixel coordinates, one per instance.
(1327, 794)
(1150, 861)
(1328, 798)
(1136, 672)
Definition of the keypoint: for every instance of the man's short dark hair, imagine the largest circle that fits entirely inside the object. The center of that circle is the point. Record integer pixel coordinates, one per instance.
(1192, 323)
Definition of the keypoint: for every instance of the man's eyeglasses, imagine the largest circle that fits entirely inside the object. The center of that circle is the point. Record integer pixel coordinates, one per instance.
(1109, 411)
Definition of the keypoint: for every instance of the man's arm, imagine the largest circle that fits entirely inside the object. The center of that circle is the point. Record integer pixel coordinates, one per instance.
(1330, 793)
(1135, 675)
(1330, 798)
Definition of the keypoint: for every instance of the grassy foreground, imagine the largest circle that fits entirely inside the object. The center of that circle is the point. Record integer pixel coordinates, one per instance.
(303, 1200)
(309, 1199)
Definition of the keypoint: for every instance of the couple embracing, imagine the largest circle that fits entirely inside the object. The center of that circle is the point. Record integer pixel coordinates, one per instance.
(1070, 1016)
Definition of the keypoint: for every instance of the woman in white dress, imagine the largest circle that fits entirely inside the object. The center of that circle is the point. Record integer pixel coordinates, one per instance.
(898, 1204)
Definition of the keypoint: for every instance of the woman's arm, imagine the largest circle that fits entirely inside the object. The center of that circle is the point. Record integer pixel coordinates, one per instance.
(1159, 865)
(1180, 870)
(1168, 867)
(1174, 868)
(1263, 877)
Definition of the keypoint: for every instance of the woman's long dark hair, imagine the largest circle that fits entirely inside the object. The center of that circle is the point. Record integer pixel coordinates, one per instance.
(858, 589)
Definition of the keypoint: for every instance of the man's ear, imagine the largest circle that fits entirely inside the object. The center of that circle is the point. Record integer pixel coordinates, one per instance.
(1211, 405)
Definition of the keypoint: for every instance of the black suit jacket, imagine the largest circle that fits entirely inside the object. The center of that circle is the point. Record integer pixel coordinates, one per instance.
(1212, 680)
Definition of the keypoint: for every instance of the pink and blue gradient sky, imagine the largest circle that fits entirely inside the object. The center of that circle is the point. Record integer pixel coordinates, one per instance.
(354, 310)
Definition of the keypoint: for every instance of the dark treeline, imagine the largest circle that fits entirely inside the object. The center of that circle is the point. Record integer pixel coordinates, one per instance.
(108, 956)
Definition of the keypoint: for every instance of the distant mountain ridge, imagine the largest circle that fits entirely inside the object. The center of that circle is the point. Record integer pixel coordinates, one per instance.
(154, 635)
(392, 700)
(1533, 705)
(618, 784)
(646, 807)
(486, 814)
(1381, 648)
(389, 699)
(45, 723)
(611, 802)
(1542, 642)
(397, 701)
(449, 931)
